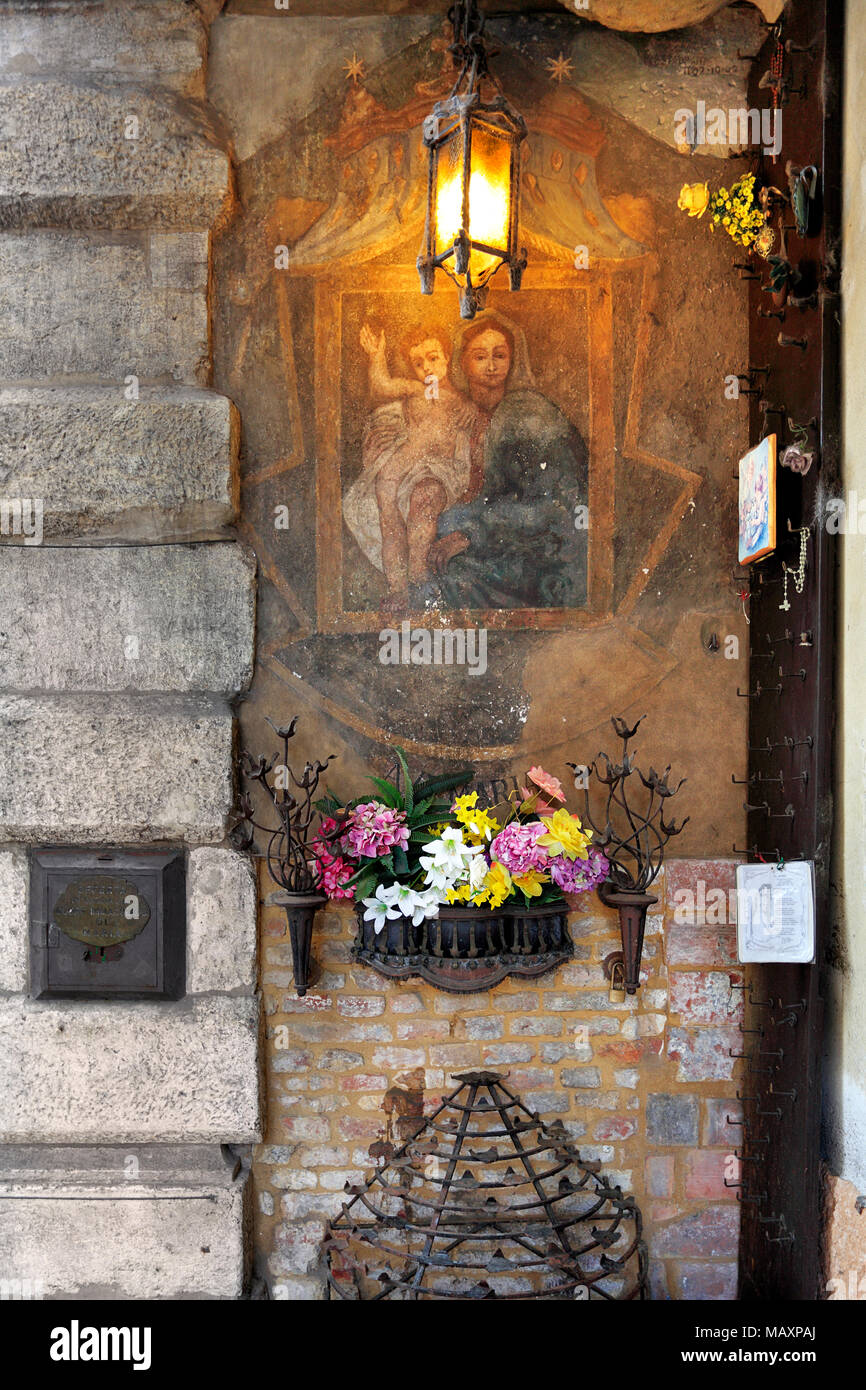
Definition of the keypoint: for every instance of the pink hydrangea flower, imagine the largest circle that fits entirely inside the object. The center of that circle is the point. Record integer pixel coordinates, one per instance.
(334, 868)
(374, 830)
(579, 875)
(516, 849)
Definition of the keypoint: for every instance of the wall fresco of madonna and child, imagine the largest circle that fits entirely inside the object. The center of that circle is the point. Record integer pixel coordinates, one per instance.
(549, 474)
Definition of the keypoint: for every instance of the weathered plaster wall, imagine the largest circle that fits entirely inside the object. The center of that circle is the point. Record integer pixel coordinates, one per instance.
(845, 1099)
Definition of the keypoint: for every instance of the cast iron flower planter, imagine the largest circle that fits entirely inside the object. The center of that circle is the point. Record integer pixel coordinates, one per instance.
(468, 949)
(301, 908)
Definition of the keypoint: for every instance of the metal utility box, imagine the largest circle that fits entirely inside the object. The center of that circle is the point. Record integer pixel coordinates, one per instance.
(107, 924)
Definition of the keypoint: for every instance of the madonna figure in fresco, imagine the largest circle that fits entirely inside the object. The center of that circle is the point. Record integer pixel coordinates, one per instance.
(515, 543)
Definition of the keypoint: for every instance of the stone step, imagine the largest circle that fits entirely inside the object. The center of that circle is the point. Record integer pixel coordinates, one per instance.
(140, 618)
(102, 307)
(113, 769)
(64, 1240)
(102, 155)
(161, 467)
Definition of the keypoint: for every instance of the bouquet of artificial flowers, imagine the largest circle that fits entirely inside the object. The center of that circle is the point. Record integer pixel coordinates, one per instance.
(409, 853)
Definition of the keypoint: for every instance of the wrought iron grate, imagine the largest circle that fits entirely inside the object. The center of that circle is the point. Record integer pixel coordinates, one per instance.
(486, 1201)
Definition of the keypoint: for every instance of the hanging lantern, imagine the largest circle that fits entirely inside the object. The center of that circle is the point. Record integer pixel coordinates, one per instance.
(473, 180)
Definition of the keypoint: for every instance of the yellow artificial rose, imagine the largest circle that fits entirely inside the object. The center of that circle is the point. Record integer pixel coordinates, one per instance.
(694, 199)
(497, 886)
(530, 883)
(564, 835)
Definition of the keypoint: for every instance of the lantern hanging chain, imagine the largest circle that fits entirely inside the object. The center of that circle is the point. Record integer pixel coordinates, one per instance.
(468, 47)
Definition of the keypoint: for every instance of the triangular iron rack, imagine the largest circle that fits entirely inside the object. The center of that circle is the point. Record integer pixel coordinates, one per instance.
(442, 1219)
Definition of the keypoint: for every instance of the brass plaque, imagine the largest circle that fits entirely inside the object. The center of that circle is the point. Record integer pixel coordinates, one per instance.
(101, 910)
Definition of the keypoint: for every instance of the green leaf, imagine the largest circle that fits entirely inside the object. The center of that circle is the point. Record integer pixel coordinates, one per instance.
(388, 792)
(434, 785)
(401, 862)
(407, 780)
(365, 885)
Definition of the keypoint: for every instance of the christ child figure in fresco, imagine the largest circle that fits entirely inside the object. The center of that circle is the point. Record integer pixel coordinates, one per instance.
(416, 456)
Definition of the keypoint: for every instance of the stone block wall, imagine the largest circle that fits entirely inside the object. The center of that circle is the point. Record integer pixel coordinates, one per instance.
(645, 1086)
(128, 630)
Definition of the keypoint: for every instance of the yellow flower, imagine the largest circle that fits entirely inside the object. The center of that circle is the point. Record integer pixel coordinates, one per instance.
(479, 824)
(458, 895)
(530, 883)
(564, 835)
(482, 827)
(497, 886)
(694, 199)
(464, 805)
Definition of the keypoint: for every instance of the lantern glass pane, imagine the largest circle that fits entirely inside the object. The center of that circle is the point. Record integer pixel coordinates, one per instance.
(490, 188)
(489, 197)
(449, 191)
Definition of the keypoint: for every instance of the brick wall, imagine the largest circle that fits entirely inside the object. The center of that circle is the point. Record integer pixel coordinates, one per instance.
(645, 1086)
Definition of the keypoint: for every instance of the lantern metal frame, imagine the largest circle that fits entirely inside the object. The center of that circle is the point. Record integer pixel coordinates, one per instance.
(463, 111)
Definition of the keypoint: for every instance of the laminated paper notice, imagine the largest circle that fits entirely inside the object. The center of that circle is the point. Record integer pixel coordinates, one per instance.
(776, 912)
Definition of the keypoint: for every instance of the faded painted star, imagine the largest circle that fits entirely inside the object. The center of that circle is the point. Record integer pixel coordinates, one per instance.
(354, 68)
(559, 68)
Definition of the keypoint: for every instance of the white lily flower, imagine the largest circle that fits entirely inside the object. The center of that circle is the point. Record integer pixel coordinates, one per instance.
(430, 901)
(379, 908)
(404, 899)
(450, 852)
(435, 877)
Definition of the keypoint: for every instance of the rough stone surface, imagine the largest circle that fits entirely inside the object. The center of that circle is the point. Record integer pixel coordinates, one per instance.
(706, 996)
(122, 1223)
(844, 1240)
(73, 304)
(221, 922)
(14, 921)
(708, 1282)
(160, 467)
(672, 1119)
(713, 1231)
(114, 769)
(704, 1054)
(172, 618)
(103, 155)
(120, 1073)
(125, 40)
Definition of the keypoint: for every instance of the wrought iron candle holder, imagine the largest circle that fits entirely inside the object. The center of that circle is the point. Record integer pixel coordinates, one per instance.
(633, 840)
(291, 862)
(486, 1201)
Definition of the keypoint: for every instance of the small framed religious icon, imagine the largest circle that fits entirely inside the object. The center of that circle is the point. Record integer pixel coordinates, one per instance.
(757, 517)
